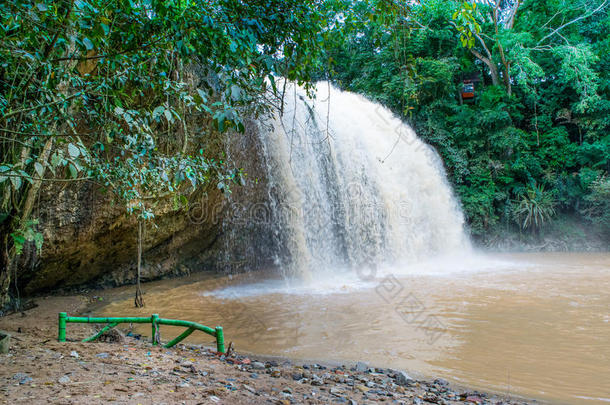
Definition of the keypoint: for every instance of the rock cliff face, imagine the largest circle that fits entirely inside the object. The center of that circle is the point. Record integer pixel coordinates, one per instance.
(88, 240)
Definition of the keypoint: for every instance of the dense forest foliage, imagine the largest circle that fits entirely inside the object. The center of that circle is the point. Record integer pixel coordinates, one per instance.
(535, 143)
(126, 94)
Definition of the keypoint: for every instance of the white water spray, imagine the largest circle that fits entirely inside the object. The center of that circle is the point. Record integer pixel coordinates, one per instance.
(352, 186)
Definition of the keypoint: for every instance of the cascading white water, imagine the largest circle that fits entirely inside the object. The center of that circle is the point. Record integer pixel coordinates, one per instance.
(352, 186)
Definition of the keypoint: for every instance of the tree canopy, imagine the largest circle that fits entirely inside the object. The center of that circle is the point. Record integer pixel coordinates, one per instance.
(127, 93)
(536, 141)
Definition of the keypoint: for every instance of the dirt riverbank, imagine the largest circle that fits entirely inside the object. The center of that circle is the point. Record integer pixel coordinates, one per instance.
(38, 370)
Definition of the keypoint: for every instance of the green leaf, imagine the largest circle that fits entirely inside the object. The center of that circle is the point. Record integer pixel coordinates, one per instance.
(202, 95)
(158, 111)
(168, 115)
(57, 159)
(19, 239)
(16, 180)
(235, 92)
(39, 169)
(88, 44)
(73, 170)
(73, 150)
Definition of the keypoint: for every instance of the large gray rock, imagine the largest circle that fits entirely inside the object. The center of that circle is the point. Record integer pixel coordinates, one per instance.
(257, 365)
(403, 379)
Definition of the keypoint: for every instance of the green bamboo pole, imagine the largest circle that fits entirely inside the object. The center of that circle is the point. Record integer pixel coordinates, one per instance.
(100, 333)
(154, 319)
(181, 337)
(187, 324)
(220, 340)
(88, 319)
(61, 333)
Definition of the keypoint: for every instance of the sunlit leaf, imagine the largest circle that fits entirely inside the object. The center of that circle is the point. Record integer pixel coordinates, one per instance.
(88, 44)
(73, 150)
(39, 169)
(15, 180)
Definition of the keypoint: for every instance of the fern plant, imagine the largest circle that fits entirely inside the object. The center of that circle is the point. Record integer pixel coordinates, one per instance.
(534, 207)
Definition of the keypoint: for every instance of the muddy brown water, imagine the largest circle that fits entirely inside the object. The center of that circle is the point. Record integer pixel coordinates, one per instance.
(534, 325)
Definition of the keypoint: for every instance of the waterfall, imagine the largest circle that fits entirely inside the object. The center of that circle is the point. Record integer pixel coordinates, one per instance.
(352, 186)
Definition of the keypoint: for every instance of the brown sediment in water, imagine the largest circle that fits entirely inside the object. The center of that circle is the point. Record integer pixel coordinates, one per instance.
(38, 369)
(537, 328)
(541, 333)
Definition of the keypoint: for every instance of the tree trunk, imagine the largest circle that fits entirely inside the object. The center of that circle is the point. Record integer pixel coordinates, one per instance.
(139, 299)
(20, 214)
(5, 280)
(13, 222)
(493, 69)
(495, 79)
(5, 268)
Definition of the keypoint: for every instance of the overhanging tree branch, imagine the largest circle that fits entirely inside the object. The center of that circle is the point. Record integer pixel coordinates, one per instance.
(10, 114)
(582, 17)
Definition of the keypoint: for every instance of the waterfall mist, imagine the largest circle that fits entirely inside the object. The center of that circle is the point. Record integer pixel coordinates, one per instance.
(353, 187)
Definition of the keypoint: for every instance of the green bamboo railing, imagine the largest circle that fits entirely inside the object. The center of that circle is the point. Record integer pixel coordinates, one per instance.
(154, 320)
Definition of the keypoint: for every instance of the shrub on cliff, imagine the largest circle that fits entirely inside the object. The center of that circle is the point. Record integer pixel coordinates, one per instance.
(100, 91)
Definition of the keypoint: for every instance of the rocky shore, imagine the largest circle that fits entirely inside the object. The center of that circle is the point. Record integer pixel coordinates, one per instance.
(128, 370)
